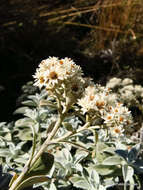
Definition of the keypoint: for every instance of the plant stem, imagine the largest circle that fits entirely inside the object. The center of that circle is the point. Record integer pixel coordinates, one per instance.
(38, 154)
(70, 133)
(33, 147)
(47, 141)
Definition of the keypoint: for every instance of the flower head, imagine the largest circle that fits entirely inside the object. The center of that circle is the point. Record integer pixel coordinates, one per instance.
(117, 131)
(95, 99)
(53, 71)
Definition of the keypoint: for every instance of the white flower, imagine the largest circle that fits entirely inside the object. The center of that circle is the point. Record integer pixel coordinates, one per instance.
(128, 87)
(113, 82)
(127, 81)
(40, 81)
(95, 99)
(138, 90)
(53, 71)
(117, 131)
(109, 119)
(117, 115)
(87, 102)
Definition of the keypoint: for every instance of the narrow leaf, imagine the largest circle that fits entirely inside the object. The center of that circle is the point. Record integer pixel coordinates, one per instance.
(32, 180)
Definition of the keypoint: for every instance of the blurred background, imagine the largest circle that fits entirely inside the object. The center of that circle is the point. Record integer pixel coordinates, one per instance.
(105, 37)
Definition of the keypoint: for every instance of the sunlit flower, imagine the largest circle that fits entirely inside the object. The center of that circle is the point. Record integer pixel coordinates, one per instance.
(53, 71)
(40, 81)
(117, 131)
(117, 114)
(87, 101)
(94, 100)
(127, 81)
(113, 82)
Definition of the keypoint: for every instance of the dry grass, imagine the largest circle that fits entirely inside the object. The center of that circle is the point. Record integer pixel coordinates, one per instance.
(109, 19)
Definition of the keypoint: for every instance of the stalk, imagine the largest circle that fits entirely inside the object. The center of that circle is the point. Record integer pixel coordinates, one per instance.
(17, 182)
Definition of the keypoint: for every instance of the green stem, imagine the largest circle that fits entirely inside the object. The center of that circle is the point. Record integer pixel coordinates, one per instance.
(75, 145)
(38, 154)
(125, 186)
(47, 142)
(71, 133)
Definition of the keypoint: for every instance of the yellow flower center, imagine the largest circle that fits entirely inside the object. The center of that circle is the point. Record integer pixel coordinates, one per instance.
(100, 104)
(91, 97)
(121, 118)
(41, 80)
(117, 130)
(61, 62)
(109, 117)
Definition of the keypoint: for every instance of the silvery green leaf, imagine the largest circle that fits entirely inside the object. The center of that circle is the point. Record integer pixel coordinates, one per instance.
(80, 182)
(4, 152)
(29, 103)
(64, 185)
(35, 98)
(74, 121)
(8, 137)
(43, 165)
(2, 124)
(52, 187)
(109, 182)
(94, 178)
(80, 155)
(31, 113)
(128, 172)
(68, 126)
(24, 134)
(85, 173)
(78, 167)
(120, 145)
(20, 110)
(67, 155)
(110, 150)
(47, 103)
(68, 146)
(20, 160)
(104, 170)
(51, 172)
(32, 180)
(112, 160)
(101, 187)
(24, 122)
(100, 147)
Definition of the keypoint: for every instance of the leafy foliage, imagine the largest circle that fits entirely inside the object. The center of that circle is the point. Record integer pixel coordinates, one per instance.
(82, 153)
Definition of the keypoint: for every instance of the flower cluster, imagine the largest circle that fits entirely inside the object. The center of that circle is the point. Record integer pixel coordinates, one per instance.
(131, 95)
(126, 91)
(62, 78)
(118, 118)
(94, 100)
(53, 71)
(100, 102)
